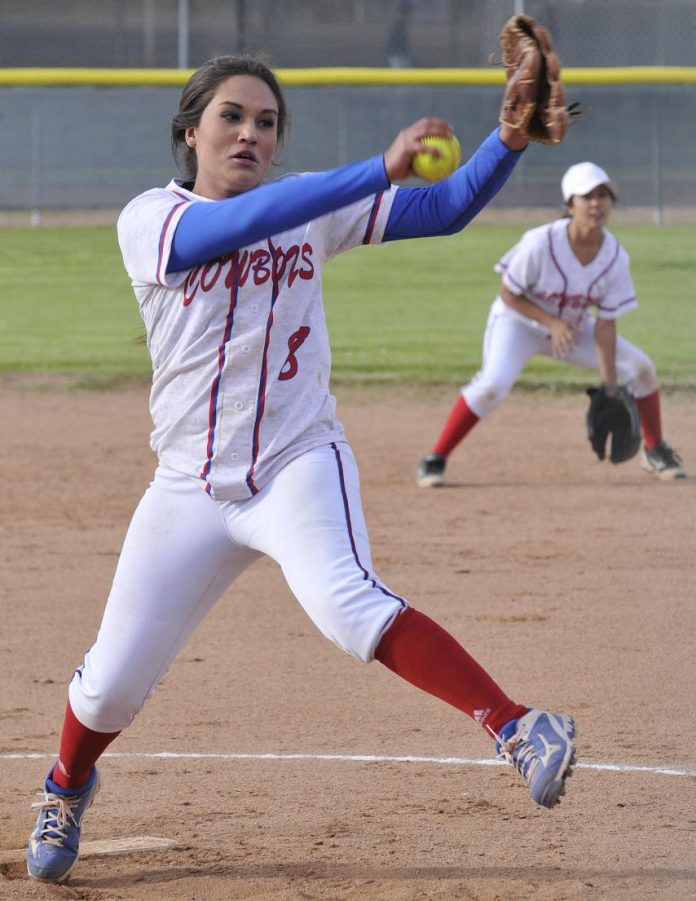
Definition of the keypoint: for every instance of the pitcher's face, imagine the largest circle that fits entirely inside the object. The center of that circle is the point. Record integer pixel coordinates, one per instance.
(236, 137)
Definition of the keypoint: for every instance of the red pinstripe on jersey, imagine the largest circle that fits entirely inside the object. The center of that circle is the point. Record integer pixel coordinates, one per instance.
(373, 218)
(614, 258)
(215, 387)
(161, 272)
(564, 298)
(261, 397)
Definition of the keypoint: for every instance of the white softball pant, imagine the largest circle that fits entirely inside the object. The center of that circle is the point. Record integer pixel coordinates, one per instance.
(183, 550)
(509, 342)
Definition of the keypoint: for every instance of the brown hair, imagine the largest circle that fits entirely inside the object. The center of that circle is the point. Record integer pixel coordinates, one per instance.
(198, 92)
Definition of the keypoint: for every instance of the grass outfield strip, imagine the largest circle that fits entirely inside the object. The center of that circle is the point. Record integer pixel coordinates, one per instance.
(409, 311)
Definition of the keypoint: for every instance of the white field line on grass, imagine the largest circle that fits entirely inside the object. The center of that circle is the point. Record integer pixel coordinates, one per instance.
(365, 758)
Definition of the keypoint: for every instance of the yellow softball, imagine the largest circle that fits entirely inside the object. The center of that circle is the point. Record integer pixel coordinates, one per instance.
(433, 168)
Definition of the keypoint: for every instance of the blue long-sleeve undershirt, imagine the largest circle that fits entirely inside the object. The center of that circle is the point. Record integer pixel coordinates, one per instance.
(445, 207)
(209, 230)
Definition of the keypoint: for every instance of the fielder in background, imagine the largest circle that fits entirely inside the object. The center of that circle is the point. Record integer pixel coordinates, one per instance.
(550, 280)
(227, 273)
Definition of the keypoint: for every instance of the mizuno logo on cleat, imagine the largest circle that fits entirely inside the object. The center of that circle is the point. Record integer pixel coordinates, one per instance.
(545, 758)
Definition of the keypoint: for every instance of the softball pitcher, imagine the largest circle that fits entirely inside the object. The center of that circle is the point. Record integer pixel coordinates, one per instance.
(252, 459)
(550, 281)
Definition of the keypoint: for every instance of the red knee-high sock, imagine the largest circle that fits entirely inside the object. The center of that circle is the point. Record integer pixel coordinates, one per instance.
(650, 419)
(80, 748)
(422, 652)
(459, 423)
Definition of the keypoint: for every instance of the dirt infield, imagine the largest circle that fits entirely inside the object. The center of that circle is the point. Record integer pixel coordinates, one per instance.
(572, 581)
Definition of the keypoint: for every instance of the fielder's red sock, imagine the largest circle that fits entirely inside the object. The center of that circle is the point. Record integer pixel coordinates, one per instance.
(650, 419)
(80, 748)
(459, 423)
(422, 652)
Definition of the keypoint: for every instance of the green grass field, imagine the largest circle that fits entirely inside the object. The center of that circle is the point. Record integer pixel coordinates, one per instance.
(409, 311)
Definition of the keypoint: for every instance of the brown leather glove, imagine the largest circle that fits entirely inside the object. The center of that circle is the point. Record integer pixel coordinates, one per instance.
(534, 97)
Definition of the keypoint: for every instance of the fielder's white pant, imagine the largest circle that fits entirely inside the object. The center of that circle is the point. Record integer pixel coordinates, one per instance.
(183, 550)
(511, 339)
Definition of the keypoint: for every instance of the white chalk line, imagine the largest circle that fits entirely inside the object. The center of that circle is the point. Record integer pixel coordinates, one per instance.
(363, 758)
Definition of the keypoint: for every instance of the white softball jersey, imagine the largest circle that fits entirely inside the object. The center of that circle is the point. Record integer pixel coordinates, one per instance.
(543, 268)
(239, 345)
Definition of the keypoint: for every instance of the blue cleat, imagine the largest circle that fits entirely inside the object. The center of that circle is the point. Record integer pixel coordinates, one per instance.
(541, 747)
(55, 842)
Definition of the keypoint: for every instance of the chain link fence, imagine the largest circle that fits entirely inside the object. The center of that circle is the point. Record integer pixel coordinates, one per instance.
(88, 147)
(307, 33)
(96, 147)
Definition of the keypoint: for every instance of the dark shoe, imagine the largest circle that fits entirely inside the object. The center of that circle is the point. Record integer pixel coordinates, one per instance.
(431, 471)
(662, 462)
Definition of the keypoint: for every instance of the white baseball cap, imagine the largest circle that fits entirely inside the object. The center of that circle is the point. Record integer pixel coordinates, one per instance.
(582, 178)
